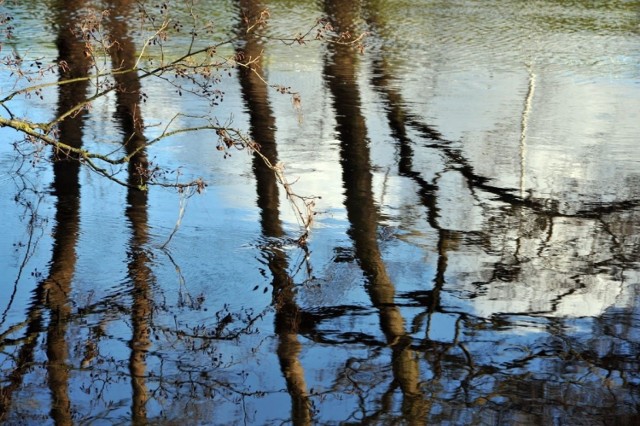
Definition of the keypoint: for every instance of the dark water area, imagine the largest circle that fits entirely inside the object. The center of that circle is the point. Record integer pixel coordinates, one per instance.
(475, 251)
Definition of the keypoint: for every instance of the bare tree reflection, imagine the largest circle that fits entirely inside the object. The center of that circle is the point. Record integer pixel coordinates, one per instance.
(288, 316)
(341, 76)
(128, 116)
(525, 364)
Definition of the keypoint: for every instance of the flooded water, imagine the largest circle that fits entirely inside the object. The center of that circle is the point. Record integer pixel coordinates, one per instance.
(475, 251)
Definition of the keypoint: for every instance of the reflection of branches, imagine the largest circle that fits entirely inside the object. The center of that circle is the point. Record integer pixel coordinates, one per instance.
(543, 207)
(206, 335)
(184, 196)
(538, 214)
(399, 117)
(184, 297)
(23, 361)
(35, 231)
(361, 377)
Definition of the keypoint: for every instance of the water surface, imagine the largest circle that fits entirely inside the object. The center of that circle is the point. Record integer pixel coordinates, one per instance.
(473, 260)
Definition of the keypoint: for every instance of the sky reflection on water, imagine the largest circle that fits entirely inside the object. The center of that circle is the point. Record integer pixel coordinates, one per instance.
(474, 258)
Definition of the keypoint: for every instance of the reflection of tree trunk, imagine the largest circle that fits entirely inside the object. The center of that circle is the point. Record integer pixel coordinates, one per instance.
(53, 292)
(67, 188)
(256, 96)
(397, 117)
(141, 277)
(287, 320)
(123, 56)
(340, 73)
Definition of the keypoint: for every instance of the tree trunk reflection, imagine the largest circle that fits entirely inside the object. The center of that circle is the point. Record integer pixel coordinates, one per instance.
(287, 319)
(427, 191)
(66, 187)
(341, 76)
(53, 292)
(128, 116)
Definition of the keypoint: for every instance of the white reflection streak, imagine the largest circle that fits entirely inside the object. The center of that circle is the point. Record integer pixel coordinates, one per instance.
(524, 123)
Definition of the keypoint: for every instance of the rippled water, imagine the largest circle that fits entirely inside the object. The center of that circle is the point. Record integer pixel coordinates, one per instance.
(474, 257)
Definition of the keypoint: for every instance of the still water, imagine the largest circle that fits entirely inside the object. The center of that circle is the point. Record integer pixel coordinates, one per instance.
(475, 251)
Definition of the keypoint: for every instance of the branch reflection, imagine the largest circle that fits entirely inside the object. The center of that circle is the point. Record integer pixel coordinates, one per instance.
(520, 235)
